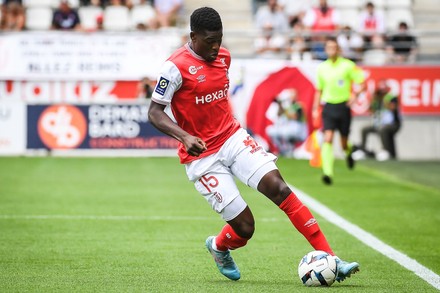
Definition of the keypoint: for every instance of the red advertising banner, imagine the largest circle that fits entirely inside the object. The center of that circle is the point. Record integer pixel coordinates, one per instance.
(418, 88)
(43, 92)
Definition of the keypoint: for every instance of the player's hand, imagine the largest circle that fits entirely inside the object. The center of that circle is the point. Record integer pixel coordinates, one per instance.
(194, 146)
(315, 113)
(352, 100)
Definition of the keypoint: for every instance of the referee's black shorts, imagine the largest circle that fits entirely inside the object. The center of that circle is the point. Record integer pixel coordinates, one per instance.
(337, 117)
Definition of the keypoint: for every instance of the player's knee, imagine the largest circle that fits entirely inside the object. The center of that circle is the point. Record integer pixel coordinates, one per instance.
(246, 229)
(274, 187)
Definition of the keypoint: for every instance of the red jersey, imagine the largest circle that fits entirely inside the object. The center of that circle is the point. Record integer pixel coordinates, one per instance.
(197, 92)
(324, 22)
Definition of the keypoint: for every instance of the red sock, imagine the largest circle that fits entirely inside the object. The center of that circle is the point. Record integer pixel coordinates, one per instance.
(305, 223)
(228, 239)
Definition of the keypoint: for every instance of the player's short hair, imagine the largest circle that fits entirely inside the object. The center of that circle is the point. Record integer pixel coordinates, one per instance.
(205, 18)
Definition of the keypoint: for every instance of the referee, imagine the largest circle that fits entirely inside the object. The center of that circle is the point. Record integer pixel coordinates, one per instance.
(335, 79)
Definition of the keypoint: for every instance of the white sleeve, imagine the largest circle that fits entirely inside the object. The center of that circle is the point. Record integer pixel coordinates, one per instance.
(336, 17)
(309, 18)
(168, 82)
(361, 23)
(381, 27)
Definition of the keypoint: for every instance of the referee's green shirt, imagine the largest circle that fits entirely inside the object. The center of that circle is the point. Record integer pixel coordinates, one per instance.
(335, 79)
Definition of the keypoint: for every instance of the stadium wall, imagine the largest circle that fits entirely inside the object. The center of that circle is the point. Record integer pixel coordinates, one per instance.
(80, 92)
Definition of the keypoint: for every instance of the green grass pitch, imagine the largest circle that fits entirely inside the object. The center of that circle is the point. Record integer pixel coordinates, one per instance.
(138, 225)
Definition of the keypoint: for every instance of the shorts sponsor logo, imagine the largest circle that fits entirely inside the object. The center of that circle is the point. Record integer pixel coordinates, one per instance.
(218, 197)
(162, 86)
(62, 127)
(250, 142)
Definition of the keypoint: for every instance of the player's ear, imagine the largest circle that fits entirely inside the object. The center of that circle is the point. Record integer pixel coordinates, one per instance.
(192, 36)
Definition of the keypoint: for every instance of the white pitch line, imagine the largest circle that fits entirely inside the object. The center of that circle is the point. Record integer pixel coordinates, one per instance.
(370, 240)
(365, 237)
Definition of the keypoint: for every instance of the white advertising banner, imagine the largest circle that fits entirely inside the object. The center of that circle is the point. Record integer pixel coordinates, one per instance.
(12, 127)
(83, 56)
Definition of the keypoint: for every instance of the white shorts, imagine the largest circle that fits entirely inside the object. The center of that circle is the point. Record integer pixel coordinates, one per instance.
(213, 176)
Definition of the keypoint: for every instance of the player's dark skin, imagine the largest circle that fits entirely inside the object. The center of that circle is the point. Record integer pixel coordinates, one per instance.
(207, 45)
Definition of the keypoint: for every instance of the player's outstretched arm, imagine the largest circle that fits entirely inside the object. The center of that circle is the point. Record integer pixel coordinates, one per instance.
(193, 145)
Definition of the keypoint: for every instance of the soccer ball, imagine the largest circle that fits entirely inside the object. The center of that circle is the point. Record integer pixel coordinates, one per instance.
(317, 268)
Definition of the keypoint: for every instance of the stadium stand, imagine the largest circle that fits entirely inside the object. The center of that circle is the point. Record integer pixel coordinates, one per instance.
(89, 16)
(37, 3)
(116, 18)
(238, 18)
(349, 17)
(140, 16)
(38, 18)
(397, 15)
(398, 4)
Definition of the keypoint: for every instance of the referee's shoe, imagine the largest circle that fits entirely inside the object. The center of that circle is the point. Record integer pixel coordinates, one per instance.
(350, 160)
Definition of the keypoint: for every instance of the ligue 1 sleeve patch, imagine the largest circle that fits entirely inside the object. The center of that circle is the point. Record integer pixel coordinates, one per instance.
(162, 85)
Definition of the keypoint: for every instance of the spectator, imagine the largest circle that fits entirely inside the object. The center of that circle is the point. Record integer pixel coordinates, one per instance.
(13, 17)
(65, 18)
(295, 10)
(100, 22)
(321, 21)
(271, 15)
(100, 3)
(167, 13)
(298, 43)
(2, 16)
(270, 44)
(105, 3)
(272, 25)
(351, 44)
(145, 88)
(402, 46)
(116, 3)
(372, 26)
(386, 122)
(6, 2)
(290, 127)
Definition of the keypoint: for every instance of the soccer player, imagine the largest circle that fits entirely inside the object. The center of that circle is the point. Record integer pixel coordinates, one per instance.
(334, 83)
(214, 148)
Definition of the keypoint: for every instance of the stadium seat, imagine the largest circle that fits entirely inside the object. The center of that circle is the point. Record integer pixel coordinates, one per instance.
(37, 3)
(377, 3)
(375, 57)
(72, 3)
(350, 17)
(141, 14)
(348, 3)
(390, 4)
(329, 2)
(38, 18)
(116, 18)
(88, 16)
(395, 16)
